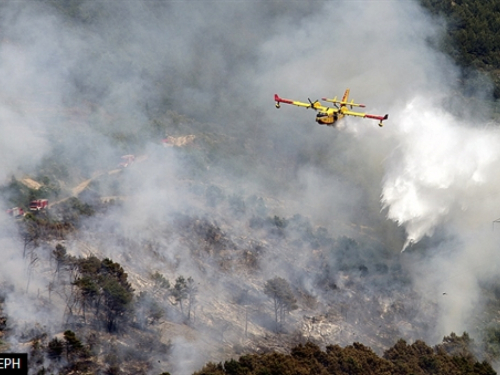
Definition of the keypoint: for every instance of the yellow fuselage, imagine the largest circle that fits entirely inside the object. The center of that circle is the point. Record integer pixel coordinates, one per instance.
(330, 117)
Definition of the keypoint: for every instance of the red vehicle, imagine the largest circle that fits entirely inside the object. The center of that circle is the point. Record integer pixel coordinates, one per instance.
(15, 212)
(39, 204)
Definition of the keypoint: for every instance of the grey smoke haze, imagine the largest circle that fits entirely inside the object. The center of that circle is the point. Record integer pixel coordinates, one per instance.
(70, 88)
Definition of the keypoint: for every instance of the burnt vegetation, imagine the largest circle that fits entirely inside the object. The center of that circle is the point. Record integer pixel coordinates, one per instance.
(101, 310)
(101, 304)
(113, 326)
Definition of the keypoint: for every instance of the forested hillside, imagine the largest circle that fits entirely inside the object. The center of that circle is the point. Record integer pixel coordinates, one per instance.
(471, 36)
(161, 216)
(451, 357)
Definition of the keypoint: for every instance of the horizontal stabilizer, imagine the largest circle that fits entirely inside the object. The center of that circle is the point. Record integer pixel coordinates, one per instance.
(343, 103)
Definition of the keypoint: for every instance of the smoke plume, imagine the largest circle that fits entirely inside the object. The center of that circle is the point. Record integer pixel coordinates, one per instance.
(80, 86)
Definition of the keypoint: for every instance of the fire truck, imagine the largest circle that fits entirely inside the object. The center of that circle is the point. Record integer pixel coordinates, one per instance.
(39, 204)
(15, 212)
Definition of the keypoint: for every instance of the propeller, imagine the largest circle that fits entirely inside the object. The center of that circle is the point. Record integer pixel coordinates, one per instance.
(312, 103)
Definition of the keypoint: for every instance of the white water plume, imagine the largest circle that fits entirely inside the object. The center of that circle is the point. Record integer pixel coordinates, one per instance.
(223, 67)
(440, 171)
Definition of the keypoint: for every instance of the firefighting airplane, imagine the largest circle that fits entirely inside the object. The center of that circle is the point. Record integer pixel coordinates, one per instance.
(328, 115)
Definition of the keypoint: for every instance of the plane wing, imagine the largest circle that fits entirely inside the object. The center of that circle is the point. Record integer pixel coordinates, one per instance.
(289, 101)
(314, 105)
(366, 115)
(351, 113)
(329, 111)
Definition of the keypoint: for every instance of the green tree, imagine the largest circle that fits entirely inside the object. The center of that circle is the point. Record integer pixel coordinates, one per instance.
(355, 359)
(458, 345)
(60, 254)
(278, 289)
(185, 289)
(116, 301)
(471, 37)
(73, 345)
(104, 287)
(160, 282)
(179, 291)
(55, 349)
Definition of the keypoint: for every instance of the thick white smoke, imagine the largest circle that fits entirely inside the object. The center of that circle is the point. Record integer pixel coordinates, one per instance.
(442, 170)
(428, 170)
(433, 164)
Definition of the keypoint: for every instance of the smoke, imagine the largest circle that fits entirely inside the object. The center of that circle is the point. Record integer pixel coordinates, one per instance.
(432, 165)
(441, 172)
(77, 87)
(434, 160)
